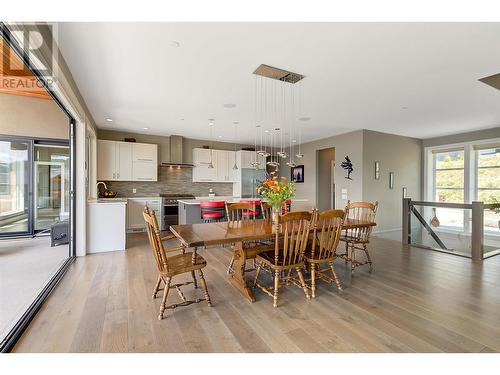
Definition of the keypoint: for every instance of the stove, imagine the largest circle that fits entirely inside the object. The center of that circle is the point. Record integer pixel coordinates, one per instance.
(171, 208)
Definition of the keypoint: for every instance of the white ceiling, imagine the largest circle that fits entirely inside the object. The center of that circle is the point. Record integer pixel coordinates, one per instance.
(357, 75)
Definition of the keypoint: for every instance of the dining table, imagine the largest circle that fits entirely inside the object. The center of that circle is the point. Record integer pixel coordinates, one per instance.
(237, 233)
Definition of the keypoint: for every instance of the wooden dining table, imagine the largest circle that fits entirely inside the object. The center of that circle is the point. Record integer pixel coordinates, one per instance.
(224, 232)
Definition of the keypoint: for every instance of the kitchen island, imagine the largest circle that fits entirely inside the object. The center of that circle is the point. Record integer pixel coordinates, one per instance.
(190, 212)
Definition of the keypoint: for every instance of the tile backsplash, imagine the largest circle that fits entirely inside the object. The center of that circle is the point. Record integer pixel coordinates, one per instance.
(170, 181)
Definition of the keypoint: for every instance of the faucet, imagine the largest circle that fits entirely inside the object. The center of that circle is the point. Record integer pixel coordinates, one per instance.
(97, 185)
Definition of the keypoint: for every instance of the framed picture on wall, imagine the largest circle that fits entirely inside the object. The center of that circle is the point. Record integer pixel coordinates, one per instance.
(297, 173)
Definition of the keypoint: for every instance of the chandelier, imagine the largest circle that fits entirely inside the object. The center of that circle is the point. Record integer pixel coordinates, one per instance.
(275, 114)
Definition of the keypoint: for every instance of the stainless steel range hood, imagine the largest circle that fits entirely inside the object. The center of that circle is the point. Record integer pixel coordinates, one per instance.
(176, 159)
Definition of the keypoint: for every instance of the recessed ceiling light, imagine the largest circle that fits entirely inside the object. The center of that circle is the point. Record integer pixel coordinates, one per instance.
(235, 122)
(219, 136)
(175, 44)
(182, 119)
(266, 131)
(404, 107)
(146, 128)
(229, 105)
(211, 121)
(109, 119)
(294, 140)
(304, 118)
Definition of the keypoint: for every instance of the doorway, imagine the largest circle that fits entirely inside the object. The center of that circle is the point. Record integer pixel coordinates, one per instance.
(325, 179)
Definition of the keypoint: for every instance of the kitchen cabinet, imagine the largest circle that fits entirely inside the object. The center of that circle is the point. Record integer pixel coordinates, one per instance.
(125, 161)
(222, 160)
(201, 160)
(135, 207)
(246, 158)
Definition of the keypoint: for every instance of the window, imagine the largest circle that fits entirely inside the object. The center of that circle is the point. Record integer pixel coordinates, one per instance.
(4, 179)
(449, 176)
(488, 175)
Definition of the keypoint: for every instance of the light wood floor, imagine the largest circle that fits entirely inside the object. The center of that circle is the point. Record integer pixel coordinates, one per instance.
(415, 301)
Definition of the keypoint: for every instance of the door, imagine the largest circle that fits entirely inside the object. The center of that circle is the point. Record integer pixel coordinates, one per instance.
(15, 195)
(106, 157)
(325, 176)
(124, 161)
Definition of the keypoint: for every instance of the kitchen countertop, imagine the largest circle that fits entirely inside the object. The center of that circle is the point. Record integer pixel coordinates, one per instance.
(107, 201)
(224, 198)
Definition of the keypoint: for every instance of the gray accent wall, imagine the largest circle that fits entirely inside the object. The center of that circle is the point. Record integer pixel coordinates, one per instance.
(350, 144)
(401, 155)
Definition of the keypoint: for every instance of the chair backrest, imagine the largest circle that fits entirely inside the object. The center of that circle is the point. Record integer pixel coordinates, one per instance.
(327, 231)
(291, 239)
(155, 240)
(241, 211)
(363, 211)
(286, 206)
(212, 209)
(266, 210)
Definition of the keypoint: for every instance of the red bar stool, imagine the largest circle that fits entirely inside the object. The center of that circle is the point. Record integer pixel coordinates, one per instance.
(254, 208)
(286, 206)
(212, 211)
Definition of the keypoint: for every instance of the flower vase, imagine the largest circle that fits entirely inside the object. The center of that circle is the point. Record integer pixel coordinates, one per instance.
(276, 219)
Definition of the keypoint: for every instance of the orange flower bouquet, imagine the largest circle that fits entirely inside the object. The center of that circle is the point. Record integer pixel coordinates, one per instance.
(276, 191)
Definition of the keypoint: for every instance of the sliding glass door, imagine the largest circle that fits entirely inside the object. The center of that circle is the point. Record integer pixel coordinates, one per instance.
(15, 186)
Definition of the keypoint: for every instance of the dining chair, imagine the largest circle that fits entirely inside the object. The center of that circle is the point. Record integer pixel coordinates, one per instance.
(357, 239)
(174, 265)
(266, 210)
(327, 230)
(288, 254)
(243, 212)
(255, 208)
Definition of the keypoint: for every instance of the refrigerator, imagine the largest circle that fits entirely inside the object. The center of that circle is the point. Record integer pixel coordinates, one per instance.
(250, 179)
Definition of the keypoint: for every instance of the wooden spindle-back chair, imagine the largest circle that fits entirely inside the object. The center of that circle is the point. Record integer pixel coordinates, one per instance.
(238, 213)
(170, 266)
(267, 210)
(358, 238)
(288, 254)
(326, 236)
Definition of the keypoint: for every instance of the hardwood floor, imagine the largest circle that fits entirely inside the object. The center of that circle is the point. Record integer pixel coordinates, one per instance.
(415, 301)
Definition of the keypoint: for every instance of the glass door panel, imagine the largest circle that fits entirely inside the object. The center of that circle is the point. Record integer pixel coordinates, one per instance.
(14, 187)
(51, 185)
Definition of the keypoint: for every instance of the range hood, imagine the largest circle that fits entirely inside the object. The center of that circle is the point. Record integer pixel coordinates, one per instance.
(176, 153)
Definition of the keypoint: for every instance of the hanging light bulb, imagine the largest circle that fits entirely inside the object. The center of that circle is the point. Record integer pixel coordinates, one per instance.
(235, 166)
(211, 124)
(273, 162)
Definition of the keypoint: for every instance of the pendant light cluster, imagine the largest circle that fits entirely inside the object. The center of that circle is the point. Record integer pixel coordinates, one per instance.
(275, 114)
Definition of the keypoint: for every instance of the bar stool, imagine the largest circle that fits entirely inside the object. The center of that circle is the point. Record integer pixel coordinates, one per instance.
(286, 206)
(254, 210)
(212, 211)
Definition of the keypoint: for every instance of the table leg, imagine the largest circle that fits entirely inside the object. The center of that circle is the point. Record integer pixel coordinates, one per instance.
(237, 278)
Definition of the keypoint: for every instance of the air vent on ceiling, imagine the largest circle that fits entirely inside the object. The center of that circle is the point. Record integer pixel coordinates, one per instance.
(493, 81)
(279, 74)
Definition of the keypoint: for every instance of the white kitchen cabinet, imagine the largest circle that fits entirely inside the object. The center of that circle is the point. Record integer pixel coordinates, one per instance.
(135, 207)
(125, 161)
(201, 161)
(224, 165)
(106, 159)
(246, 158)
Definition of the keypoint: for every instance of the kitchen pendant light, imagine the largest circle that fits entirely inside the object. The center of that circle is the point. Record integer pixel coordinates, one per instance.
(235, 166)
(211, 124)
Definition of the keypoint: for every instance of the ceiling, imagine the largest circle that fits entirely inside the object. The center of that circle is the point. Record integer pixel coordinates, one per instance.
(413, 79)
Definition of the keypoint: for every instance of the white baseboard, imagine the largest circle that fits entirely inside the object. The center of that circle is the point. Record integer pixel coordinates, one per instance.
(387, 230)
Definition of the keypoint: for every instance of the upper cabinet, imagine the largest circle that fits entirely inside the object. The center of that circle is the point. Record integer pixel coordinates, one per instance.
(246, 158)
(125, 161)
(221, 160)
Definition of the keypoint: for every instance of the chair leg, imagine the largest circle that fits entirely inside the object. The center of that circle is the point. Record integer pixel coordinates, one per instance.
(205, 289)
(195, 282)
(368, 257)
(335, 277)
(353, 258)
(157, 287)
(257, 273)
(346, 252)
(164, 299)
(230, 267)
(276, 287)
(303, 283)
(313, 280)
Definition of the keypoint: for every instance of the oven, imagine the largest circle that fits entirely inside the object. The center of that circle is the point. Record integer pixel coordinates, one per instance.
(171, 208)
